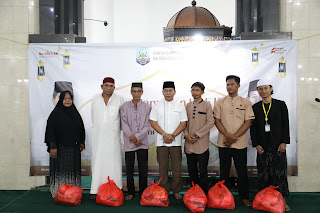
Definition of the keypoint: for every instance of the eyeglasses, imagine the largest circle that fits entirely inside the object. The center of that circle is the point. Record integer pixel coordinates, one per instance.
(135, 91)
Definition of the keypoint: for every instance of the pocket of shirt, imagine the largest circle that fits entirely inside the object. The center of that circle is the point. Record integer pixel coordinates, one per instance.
(202, 113)
(240, 113)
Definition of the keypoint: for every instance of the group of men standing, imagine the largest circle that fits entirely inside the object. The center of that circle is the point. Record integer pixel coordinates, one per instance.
(233, 116)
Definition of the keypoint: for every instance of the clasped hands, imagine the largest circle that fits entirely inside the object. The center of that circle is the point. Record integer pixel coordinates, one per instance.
(54, 152)
(191, 138)
(168, 138)
(230, 139)
(135, 141)
(282, 148)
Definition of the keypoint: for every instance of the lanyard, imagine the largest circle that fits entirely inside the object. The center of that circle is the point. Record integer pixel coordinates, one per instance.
(266, 113)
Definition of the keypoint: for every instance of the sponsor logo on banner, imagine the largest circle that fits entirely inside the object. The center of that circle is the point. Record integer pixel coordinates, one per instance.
(47, 53)
(276, 50)
(143, 55)
(166, 55)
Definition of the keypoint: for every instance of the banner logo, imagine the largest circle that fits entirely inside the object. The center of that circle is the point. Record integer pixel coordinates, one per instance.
(277, 50)
(142, 56)
(47, 53)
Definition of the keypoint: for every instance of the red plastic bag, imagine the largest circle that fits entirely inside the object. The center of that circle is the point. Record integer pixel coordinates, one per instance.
(68, 195)
(155, 195)
(269, 200)
(110, 194)
(195, 199)
(219, 197)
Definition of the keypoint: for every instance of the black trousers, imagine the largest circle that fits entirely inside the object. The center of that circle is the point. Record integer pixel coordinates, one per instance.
(201, 160)
(142, 155)
(240, 161)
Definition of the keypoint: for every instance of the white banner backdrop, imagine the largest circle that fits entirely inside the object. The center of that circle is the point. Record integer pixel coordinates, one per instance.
(85, 66)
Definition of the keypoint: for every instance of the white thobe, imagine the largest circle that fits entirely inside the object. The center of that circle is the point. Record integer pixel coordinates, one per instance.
(106, 146)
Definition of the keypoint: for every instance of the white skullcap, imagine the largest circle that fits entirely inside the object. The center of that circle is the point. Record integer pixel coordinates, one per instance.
(263, 82)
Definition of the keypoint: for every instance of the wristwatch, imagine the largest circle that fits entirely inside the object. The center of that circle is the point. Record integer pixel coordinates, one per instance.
(196, 136)
(174, 137)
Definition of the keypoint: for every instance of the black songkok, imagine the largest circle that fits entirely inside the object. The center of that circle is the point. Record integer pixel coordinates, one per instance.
(136, 84)
(168, 84)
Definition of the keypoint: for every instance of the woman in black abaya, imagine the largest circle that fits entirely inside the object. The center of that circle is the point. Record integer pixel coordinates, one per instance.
(65, 137)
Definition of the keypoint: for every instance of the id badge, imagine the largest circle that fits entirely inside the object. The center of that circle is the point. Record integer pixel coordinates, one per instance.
(267, 127)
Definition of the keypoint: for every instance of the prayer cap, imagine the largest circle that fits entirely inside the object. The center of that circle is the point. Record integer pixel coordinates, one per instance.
(136, 84)
(108, 80)
(264, 82)
(168, 84)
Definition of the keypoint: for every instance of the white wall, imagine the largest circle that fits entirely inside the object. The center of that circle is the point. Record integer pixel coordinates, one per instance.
(143, 20)
(18, 19)
(95, 31)
(301, 17)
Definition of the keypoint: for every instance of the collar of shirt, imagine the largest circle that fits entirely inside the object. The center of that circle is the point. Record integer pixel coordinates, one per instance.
(111, 96)
(110, 99)
(132, 105)
(233, 98)
(198, 102)
(168, 102)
